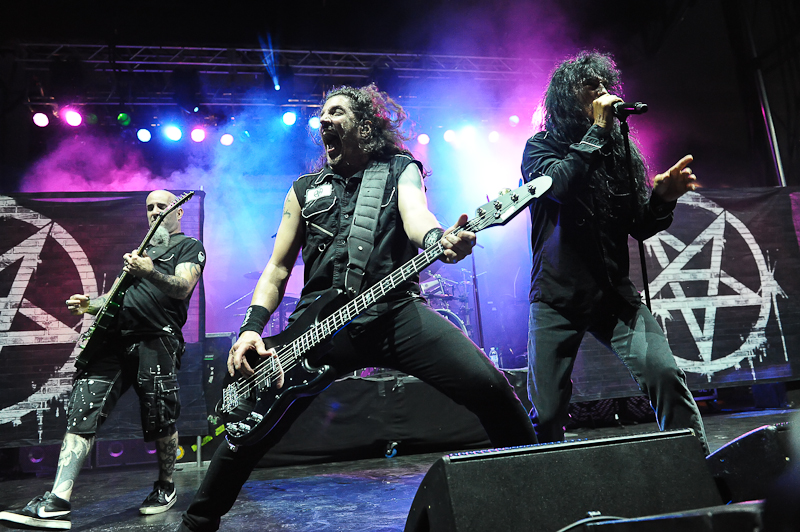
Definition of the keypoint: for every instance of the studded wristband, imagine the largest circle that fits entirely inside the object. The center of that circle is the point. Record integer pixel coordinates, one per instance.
(255, 319)
(432, 237)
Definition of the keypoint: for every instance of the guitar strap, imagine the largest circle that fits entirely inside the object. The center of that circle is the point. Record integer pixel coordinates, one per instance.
(361, 240)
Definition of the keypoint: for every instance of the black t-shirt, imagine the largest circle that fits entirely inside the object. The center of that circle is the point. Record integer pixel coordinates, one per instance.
(148, 311)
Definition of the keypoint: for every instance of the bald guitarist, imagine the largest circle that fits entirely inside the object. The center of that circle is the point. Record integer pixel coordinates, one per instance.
(142, 350)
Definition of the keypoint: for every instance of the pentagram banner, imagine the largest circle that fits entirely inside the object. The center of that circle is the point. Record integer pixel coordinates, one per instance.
(725, 288)
(53, 246)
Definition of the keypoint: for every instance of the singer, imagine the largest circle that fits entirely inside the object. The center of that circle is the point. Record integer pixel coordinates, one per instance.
(579, 243)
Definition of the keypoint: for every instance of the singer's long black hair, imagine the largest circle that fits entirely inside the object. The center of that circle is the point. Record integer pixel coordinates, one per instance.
(566, 120)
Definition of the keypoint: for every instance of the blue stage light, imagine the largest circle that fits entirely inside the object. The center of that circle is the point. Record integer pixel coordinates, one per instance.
(173, 133)
(313, 122)
(289, 118)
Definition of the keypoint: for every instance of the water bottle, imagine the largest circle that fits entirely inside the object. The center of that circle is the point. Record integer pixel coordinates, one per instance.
(494, 357)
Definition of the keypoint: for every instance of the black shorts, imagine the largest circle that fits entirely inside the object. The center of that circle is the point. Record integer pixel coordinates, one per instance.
(150, 365)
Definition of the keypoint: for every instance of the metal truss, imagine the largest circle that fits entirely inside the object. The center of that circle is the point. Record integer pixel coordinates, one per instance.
(139, 75)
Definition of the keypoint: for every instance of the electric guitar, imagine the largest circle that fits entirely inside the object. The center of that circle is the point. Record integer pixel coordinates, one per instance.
(92, 339)
(251, 406)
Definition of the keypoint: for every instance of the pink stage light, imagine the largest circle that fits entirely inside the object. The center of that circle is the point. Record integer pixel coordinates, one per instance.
(226, 139)
(198, 134)
(494, 136)
(72, 117)
(41, 119)
(423, 139)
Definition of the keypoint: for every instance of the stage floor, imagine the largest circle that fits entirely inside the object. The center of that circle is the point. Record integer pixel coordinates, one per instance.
(366, 495)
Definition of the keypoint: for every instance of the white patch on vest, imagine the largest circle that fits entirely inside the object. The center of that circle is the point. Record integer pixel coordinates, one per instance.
(313, 194)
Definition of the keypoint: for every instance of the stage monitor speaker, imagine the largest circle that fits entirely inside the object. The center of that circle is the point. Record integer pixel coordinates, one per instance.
(746, 467)
(543, 488)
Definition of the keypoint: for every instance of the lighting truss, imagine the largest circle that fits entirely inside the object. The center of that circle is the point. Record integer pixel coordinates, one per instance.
(230, 75)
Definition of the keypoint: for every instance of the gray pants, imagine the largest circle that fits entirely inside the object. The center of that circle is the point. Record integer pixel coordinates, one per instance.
(633, 335)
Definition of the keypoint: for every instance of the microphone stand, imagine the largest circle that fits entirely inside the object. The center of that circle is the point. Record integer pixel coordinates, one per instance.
(478, 320)
(623, 124)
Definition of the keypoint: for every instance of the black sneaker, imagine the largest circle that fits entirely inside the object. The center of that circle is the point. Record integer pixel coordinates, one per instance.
(160, 499)
(45, 512)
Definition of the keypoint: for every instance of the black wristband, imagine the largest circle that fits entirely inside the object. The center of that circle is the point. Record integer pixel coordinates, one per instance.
(255, 319)
(432, 237)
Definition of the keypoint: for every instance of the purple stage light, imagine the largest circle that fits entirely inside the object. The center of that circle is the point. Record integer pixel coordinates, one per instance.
(198, 134)
(423, 139)
(41, 119)
(73, 117)
(226, 139)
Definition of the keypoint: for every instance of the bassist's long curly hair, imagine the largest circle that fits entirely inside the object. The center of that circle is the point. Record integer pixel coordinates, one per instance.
(566, 120)
(385, 115)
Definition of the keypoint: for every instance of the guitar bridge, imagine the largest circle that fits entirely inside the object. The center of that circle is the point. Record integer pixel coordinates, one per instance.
(230, 398)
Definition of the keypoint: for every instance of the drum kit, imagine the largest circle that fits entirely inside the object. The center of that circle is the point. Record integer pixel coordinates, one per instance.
(452, 299)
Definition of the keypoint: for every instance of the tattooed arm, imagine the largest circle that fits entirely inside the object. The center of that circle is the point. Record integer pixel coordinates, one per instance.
(272, 283)
(177, 286)
(81, 304)
(180, 285)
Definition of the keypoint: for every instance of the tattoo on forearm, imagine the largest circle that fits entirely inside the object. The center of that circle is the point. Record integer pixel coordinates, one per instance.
(177, 285)
(96, 304)
(286, 213)
(167, 456)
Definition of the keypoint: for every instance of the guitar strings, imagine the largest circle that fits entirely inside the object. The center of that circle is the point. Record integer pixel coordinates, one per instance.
(266, 370)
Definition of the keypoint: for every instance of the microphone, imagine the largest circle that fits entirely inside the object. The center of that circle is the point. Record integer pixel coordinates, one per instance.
(623, 109)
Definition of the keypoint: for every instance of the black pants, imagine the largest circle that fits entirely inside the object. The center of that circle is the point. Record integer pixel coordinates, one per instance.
(634, 336)
(413, 339)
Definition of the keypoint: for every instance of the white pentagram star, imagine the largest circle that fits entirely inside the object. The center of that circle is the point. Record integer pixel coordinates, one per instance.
(675, 275)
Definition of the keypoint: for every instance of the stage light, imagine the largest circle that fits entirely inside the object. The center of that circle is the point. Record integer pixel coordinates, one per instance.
(198, 134)
(226, 139)
(513, 120)
(423, 139)
(144, 135)
(289, 118)
(468, 134)
(313, 122)
(449, 136)
(494, 136)
(124, 119)
(72, 117)
(173, 133)
(41, 119)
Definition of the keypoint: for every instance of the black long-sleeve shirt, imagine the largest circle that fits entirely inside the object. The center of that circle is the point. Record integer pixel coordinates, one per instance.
(578, 254)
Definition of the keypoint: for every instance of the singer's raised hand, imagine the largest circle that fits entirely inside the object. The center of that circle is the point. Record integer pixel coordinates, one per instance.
(676, 181)
(603, 109)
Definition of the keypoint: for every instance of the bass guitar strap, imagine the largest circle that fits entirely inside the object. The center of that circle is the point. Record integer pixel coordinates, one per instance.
(361, 239)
